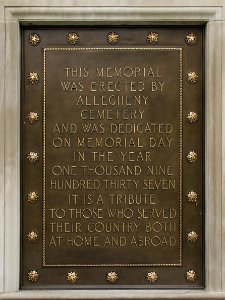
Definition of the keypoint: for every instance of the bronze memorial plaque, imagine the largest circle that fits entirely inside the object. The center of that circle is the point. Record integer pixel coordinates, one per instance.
(112, 157)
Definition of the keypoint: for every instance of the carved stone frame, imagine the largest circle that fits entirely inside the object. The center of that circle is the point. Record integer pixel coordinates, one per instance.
(13, 13)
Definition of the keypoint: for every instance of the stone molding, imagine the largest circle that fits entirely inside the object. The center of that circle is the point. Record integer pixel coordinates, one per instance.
(12, 15)
(106, 14)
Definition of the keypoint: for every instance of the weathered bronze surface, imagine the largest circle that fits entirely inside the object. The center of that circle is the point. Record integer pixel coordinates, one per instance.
(111, 148)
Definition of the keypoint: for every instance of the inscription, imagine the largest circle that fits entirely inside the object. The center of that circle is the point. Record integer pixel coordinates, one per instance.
(112, 168)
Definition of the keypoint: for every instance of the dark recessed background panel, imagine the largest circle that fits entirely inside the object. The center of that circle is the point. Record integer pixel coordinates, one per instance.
(112, 158)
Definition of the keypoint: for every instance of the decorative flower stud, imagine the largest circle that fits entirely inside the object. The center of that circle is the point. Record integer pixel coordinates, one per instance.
(152, 37)
(191, 39)
(32, 197)
(34, 39)
(32, 117)
(73, 38)
(192, 196)
(191, 276)
(32, 157)
(113, 38)
(192, 117)
(32, 78)
(152, 277)
(192, 237)
(33, 276)
(32, 236)
(192, 157)
(72, 277)
(192, 77)
(112, 277)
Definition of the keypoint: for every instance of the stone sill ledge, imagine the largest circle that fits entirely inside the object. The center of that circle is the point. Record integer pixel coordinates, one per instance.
(113, 294)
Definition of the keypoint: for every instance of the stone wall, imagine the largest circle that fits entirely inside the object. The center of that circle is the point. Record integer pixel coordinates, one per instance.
(14, 13)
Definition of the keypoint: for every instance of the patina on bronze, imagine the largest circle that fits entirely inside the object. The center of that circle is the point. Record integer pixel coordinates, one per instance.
(114, 167)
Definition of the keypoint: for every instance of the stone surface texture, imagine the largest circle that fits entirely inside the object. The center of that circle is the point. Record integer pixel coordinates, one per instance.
(13, 13)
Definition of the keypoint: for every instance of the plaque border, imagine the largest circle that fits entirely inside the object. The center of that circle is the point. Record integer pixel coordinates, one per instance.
(180, 49)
